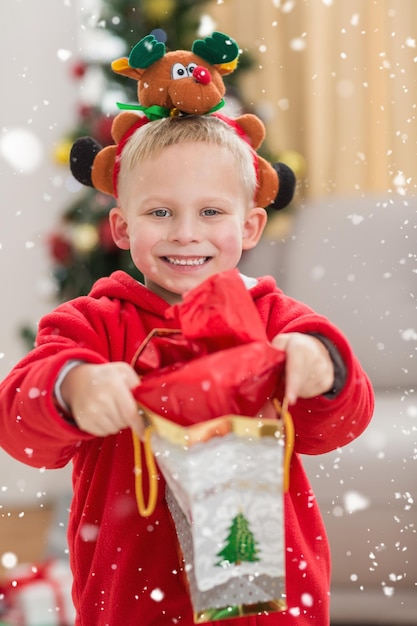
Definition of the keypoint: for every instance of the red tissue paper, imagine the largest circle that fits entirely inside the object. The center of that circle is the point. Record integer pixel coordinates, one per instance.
(219, 360)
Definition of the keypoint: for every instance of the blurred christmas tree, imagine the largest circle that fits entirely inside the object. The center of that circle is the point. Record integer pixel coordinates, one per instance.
(82, 248)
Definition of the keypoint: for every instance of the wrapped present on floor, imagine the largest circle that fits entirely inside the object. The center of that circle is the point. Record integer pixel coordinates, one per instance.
(223, 444)
(40, 595)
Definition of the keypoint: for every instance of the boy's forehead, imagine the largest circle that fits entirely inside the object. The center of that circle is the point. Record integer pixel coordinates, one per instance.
(190, 154)
(194, 158)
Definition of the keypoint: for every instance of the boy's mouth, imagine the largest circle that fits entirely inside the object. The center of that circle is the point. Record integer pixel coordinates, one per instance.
(188, 261)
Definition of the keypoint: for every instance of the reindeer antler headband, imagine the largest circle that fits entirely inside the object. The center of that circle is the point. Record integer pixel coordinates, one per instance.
(180, 82)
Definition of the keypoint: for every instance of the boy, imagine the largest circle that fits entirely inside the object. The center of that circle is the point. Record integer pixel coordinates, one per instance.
(185, 211)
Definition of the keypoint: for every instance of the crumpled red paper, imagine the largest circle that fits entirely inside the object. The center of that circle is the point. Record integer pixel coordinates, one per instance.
(220, 362)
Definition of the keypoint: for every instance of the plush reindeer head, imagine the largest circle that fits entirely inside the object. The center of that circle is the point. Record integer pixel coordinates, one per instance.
(180, 81)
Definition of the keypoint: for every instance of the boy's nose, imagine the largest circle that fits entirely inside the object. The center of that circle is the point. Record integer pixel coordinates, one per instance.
(184, 231)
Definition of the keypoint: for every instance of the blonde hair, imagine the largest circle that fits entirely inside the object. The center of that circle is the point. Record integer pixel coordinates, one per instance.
(150, 139)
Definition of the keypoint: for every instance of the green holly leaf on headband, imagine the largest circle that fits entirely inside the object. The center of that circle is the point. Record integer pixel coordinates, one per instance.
(146, 52)
(216, 49)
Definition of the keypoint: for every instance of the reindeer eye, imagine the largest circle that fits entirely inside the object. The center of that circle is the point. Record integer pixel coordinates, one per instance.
(178, 70)
(190, 68)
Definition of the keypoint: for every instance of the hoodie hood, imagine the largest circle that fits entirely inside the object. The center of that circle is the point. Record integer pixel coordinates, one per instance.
(121, 286)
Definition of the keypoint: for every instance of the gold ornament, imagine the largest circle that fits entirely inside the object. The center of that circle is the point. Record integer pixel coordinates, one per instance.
(85, 238)
(295, 160)
(158, 9)
(62, 151)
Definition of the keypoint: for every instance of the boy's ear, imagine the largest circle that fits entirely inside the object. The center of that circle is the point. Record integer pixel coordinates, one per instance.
(253, 227)
(119, 229)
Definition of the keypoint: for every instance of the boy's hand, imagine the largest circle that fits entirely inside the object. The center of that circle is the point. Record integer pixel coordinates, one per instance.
(308, 370)
(100, 398)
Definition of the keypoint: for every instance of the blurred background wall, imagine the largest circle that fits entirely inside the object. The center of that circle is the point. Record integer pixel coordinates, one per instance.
(38, 101)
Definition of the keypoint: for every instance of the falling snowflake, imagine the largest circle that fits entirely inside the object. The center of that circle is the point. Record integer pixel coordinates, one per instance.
(356, 219)
(89, 532)
(34, 393)
(22, 150)
(307, 599)
(157, 594)
(355, 501)
(9, 560)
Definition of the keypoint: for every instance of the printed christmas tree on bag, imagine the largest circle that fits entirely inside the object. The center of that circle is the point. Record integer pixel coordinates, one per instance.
(241, 544)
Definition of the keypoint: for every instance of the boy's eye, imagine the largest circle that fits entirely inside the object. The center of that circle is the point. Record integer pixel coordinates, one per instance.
(209, 212)
(160, 212)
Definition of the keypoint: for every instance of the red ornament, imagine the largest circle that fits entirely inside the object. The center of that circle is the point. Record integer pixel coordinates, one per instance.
(78, 69)
(59, 248)
(102, 130)
(85, 111)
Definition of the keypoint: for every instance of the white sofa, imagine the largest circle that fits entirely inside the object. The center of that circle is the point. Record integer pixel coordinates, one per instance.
(355, 260)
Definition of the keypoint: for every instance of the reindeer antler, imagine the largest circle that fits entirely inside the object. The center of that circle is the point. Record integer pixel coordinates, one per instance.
(218, 49)
(146, 52)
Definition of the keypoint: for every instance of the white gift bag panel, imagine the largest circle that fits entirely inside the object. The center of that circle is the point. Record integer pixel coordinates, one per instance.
(241, 595)
(221, 484)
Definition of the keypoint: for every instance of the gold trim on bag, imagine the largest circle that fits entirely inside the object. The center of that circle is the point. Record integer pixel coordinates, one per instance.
(241, 610)
(187, 436)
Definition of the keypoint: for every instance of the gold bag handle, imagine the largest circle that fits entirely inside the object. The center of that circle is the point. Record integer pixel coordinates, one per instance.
(289, 434)
(145, 510)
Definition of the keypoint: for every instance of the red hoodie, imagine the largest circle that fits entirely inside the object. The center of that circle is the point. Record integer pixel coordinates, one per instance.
(126, 568)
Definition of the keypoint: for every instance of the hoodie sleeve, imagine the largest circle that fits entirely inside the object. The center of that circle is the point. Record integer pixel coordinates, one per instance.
(32, 429)
(322, 423)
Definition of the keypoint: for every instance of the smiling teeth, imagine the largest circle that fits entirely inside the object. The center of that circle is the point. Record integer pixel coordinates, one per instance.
(198, 261)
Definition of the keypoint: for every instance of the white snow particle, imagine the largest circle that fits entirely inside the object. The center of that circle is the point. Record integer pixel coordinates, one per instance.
(355, 501)
(409, 334)
(89, 532)
(355, 19)
(356, 219)
(157, 595)
(298, 44)
(22, 150)
(307, 599)
(64, 55)
(9, 560)
(388, 591)
(295, 611)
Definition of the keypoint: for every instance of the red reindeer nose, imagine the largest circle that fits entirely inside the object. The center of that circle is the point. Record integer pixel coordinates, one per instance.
(201, 75)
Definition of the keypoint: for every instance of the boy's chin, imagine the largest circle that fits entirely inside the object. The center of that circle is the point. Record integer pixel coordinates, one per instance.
(173, 291)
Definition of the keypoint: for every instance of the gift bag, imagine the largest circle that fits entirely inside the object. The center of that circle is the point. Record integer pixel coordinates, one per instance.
(223, 444)
(225, 483)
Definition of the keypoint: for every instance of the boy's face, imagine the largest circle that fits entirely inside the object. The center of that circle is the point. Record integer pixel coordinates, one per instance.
(185, 216)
